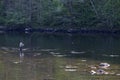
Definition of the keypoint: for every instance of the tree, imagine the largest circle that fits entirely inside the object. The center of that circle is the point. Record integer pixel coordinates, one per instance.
(2, 20)
(100, 14)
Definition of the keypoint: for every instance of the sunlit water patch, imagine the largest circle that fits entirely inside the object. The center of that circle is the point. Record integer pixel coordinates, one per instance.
(54, 64)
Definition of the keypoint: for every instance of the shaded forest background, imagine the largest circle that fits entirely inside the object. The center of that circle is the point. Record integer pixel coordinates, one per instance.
(93, 14)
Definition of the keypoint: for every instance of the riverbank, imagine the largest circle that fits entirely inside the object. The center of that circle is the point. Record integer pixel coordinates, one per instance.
(53, 30)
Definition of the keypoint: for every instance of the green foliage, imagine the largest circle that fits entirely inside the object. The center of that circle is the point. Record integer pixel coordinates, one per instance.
(61, 13)
(109, 13)
(2, 20)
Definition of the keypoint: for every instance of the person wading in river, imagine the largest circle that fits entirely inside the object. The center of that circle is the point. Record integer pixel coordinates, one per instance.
(21, 45)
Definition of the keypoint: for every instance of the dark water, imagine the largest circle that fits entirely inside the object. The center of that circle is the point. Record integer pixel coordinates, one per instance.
(47, 55)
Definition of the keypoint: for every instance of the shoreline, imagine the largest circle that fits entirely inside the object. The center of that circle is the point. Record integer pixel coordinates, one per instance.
(64, 31)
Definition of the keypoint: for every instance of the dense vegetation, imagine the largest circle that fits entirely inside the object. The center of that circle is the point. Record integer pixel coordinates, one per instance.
(93, 14)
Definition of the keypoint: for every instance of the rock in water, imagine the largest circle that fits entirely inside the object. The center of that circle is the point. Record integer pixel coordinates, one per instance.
(16, 62)
(92, 72)
(104, 65)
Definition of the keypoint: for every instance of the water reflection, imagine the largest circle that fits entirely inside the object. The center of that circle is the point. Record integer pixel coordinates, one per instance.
(58, 57)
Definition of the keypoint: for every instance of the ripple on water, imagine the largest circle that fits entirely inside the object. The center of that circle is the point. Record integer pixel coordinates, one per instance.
(112, 55)
(48, 50)
(77, 52)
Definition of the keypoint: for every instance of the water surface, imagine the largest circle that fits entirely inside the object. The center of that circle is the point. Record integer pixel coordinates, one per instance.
(48, 56)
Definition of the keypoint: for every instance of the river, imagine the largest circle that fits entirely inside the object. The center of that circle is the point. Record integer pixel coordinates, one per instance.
(59, 57)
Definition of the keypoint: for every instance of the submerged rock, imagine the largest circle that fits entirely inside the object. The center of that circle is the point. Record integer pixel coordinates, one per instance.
(104, 65)
(75, 52)
(60, 55)
(99, 72)
(70, 66)
(16, 62)
(70, 70)
(83, 60)
(57, 54)
(92, 67)
(92, 72)
(99, 69)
